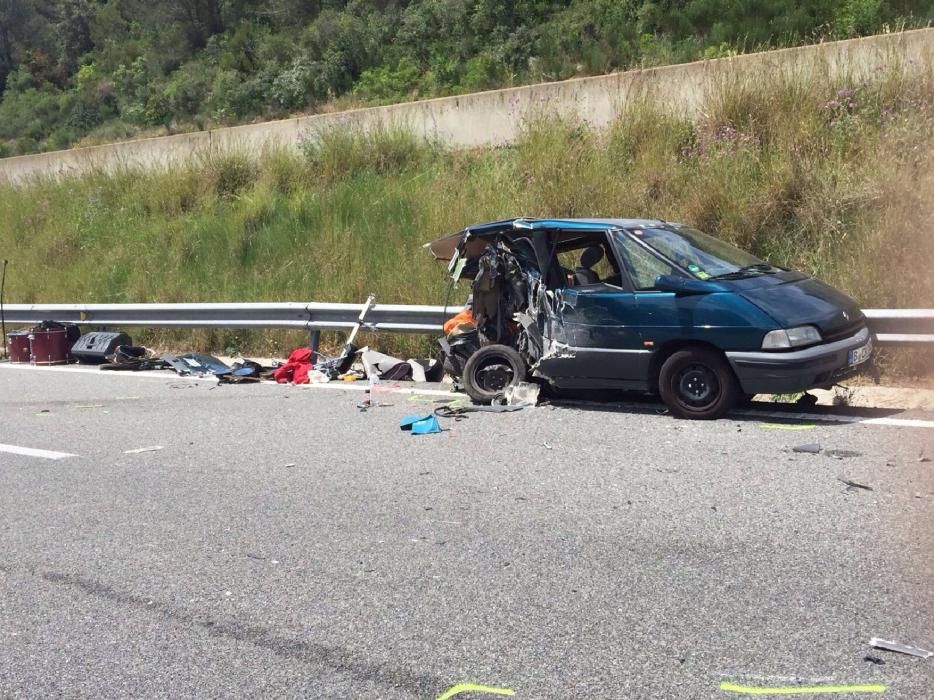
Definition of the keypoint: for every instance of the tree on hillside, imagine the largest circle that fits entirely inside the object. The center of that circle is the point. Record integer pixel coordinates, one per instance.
(24, 26)
(202, 19)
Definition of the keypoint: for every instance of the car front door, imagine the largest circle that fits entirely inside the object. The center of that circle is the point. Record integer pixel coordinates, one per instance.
(596, 324)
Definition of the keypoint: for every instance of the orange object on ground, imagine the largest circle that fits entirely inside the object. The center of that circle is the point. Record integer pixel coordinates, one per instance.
(465, 316)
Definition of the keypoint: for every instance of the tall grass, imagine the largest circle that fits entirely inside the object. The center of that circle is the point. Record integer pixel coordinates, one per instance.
(836, 179)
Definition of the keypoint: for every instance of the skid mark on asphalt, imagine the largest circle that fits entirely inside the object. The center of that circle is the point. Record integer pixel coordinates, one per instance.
(32, 452)
(801, 689)
(331, 657)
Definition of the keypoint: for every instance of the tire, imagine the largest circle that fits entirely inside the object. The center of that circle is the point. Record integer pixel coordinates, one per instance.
(490, 371)
(698, 383)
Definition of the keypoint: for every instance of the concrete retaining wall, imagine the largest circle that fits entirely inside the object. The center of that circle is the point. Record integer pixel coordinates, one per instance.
(496, 116)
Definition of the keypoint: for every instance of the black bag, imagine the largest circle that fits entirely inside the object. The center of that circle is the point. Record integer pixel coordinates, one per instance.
(456, 350)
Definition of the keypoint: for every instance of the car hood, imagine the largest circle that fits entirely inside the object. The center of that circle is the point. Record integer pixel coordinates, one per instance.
(793, 299)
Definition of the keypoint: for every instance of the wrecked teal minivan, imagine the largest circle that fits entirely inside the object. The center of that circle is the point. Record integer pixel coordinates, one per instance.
(642, 305)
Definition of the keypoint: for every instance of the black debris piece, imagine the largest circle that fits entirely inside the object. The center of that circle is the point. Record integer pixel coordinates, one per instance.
(133, 358)
(196, 364)
(842, 454)
(854, 484)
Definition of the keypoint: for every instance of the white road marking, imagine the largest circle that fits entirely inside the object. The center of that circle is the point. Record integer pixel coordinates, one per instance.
(76, 369)
(337, 385)
(380, 389)
(836, 418)
(31, 452)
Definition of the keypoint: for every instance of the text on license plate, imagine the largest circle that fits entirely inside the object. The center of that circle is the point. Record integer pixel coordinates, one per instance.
(858, 356)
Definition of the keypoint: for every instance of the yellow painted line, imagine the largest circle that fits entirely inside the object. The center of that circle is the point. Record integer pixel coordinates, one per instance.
(473, 688)
(785, 426)
(801, 689)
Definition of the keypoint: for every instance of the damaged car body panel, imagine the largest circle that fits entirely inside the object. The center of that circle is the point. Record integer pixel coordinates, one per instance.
(651, 306)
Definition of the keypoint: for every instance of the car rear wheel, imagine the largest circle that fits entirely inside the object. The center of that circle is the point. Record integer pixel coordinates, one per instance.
(491, 370)
(698, 383)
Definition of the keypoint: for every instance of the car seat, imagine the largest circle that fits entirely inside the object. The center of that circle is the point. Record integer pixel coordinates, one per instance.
(590, 257)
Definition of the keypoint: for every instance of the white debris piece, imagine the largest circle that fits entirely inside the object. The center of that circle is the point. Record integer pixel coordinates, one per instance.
(522, 394)
(899, 647)
(139, 450)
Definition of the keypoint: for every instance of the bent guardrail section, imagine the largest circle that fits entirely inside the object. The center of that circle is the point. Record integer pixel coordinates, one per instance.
(892, 327)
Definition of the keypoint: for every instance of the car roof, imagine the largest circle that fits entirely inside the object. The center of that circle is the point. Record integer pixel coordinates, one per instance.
(532, 224)
(443, 248)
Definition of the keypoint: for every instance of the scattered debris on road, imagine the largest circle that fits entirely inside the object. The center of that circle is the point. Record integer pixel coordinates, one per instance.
(296, 369)
(842, 454)
(874, 660)
(197, 364)
(420, 425)
(522, 394)
(854, 484)
(133, 358)
(889, 645)
(456, 409)
(811, 448)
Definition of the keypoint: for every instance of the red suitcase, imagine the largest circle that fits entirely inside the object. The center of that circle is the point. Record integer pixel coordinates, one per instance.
(49, 346)
(17, 346)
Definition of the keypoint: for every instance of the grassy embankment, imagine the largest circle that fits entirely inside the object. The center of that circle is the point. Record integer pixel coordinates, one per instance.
(836, 179)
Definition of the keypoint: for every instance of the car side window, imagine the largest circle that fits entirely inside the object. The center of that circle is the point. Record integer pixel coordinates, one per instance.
(589, 260)
(571, 260)
(642, 266)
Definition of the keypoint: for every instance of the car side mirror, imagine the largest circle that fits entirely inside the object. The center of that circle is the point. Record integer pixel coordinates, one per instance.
(682, 285)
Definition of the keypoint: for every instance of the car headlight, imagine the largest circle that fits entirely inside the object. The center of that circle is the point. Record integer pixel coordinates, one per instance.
(791, 338)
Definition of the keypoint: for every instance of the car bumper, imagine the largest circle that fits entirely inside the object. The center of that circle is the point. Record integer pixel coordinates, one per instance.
(797, 370)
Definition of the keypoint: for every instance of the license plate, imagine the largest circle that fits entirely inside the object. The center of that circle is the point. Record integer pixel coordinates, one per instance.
(858, 356)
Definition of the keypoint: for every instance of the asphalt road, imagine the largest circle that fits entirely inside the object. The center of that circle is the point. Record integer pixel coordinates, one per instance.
(284, 544)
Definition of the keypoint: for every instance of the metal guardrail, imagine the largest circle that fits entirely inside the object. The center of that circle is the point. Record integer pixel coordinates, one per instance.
(891, 326)
(313, 316)
(902, 326)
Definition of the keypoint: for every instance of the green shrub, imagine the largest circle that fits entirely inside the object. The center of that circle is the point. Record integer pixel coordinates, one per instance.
(344, 151)
(230, 173)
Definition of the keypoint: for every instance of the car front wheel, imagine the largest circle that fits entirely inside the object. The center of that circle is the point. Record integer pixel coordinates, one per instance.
(698, 383)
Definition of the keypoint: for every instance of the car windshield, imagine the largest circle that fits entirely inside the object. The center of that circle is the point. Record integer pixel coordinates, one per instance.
(703, 256)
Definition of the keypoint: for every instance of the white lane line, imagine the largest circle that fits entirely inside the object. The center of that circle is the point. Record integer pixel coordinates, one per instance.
(73, 369)
(31, 452)
(171, 376)
(832, 418)
(789, 416)
(338, 385)
(363, 386)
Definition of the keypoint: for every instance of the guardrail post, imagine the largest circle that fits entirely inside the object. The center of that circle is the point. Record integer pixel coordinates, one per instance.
(314, 339)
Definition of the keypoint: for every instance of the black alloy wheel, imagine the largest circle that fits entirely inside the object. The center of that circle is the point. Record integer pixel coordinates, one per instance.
(698, 382)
